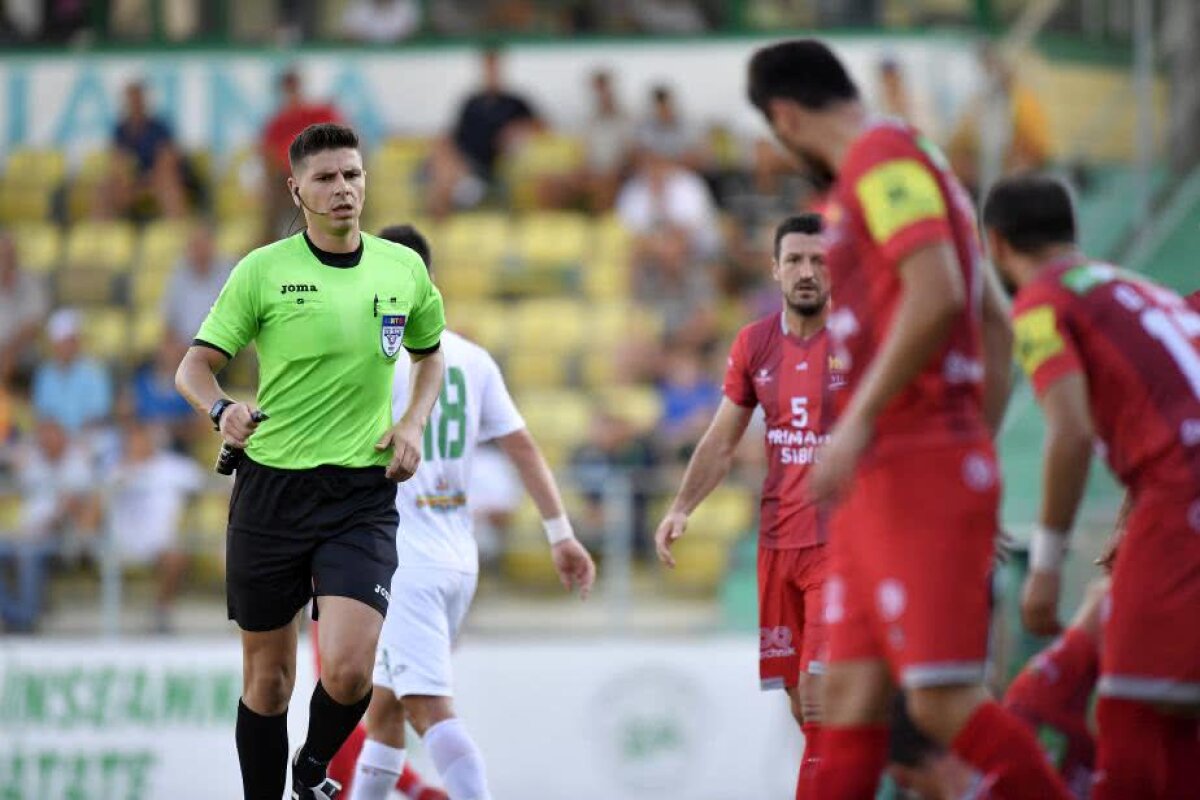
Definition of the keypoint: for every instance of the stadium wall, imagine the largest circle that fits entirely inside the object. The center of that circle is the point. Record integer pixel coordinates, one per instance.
(588, 719)
(218, 101)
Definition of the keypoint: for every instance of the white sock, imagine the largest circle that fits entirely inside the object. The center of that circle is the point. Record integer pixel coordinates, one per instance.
(376, 772)
(458, 760)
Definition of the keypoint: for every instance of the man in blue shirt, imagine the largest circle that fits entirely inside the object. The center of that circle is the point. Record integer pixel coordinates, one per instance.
(69, 388)
(147, 163)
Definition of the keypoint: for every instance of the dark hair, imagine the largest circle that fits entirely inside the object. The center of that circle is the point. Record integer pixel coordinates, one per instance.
(811, 224)
(321, 137)
(661, 93)
(1031, 212)
(803, 70)
(411, 238)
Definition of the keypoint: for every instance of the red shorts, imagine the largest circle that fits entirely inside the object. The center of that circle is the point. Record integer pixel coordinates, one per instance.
(791, 631)
(911, 552)
(1068, 745)
(1151, 648)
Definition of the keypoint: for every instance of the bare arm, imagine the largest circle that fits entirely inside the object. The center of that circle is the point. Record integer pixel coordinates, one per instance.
(713, 457)
(932, 297)
(522, 450)
(997, 352)
(404, 438)
(571, 559)
(196, 380)
(707, 468)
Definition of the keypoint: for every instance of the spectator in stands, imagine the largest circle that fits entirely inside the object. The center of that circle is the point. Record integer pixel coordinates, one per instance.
(155, 400)
(495, 493)
(70, 389)
(1005, 128)
(671, 17)
(689, 397)
(492, 121)
(23, 306)
(294, 114)
(148, 167)
(607, 139)
(896, 99)
(58, 508)
(665, 131)
(195, 283)
(677, 236)
(381, 21)
(615, 449)
(150, 487)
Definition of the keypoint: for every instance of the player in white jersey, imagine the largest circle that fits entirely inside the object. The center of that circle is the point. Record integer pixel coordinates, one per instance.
(439, 564)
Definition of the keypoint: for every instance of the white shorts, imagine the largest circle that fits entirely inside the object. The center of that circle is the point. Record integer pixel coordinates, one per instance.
(425, 613)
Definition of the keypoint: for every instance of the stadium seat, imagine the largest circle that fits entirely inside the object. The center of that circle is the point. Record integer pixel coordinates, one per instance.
(464, 281)
(542, 325)
(85, 286)
(39, 246)
(726, 514)
(163, 242)
(553, 240)
(598, 369)
(640, 406)
(479, 240)
(236, 239)
(619, 322)
(484, 323)
(24, 204)
(538, 369)
(203, 533)
(97, 166)
(148, 327)
(606, 280)
(148, 288)
(106, 334)
(35, 167)
(543, 156)
(101, 245)
(10, 515)
(611, 239)
(559, 418)
(700, 564)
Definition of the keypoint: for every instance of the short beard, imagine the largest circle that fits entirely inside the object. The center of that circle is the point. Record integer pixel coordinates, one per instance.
(809, 309)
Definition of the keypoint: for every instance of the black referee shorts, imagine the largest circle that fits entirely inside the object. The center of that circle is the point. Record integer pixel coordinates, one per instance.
(296, 534)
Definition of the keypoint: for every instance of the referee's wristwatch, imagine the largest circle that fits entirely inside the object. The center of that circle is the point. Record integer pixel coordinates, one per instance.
(218, 408)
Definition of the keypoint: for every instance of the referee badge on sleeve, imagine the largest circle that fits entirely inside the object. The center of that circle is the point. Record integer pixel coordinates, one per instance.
(391, 333)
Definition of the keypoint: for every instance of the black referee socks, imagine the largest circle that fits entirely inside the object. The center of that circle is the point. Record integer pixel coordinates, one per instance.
(262, 745)
(329, 725)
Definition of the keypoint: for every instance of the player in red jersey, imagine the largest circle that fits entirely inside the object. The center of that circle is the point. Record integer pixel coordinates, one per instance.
(1115, 357)
(782, 363)
(921, 327)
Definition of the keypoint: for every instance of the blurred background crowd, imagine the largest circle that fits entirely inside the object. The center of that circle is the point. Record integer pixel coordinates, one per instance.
(606, 264)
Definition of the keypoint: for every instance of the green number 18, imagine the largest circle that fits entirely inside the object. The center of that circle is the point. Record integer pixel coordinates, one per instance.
(453, 406)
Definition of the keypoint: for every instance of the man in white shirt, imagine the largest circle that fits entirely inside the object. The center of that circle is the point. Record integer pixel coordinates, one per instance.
(439, 565)
(194, 285)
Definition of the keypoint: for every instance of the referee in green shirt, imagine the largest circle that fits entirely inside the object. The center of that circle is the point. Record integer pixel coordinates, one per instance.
(313, 512)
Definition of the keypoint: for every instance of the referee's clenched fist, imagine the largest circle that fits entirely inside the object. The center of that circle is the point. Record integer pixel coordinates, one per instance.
(313, 513)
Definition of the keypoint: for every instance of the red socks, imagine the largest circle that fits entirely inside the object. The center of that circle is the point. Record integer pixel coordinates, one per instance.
(808, 766)
(341, 769)
(1143, 753)
(851, 761)
(1000, 746)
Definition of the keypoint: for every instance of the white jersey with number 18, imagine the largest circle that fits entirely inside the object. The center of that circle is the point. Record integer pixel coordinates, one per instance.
(474, 406)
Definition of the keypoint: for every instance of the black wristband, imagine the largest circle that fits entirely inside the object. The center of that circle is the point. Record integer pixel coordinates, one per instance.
(218, 408)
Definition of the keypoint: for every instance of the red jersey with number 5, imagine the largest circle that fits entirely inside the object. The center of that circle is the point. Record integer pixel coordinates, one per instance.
(895, 195)
(1138, 345)
(792, 379)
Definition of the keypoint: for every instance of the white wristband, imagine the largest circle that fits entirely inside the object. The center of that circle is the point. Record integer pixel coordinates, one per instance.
(1047, 549)
(558, 529)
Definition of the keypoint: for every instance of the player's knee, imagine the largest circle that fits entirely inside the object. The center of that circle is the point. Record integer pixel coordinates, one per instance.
(426, 711)
(267, 689)
(346, 680)
(941, 711)
(856, 694)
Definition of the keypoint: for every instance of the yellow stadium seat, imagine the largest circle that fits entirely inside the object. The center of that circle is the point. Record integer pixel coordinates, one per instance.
(106, 334)
(39, 246)
(483, 323)
(236, 239)
(477, 240)
(101, 245)
(726, 514)
(553, 240)
(148, 288)
(548, 324)
(598, 369)
(35, 167)
(397, 160)
(10, 514)
(464, 282)
(619, 322)
(559, 418)
(640, 406)
(611, 239)
(700, 564)
(549, 154)
(148, 327)
(524, 369)
(21, 204)
(96, 166)
(82, 286)
(606, 281)
(163, 242)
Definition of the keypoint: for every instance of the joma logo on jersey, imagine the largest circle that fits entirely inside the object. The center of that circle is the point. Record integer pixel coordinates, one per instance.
(292, 288)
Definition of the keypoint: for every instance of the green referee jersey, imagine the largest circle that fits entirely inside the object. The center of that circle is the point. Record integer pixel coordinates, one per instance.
(329, 328)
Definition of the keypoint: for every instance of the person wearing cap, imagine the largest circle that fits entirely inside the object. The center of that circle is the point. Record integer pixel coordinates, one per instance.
(70, 388)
